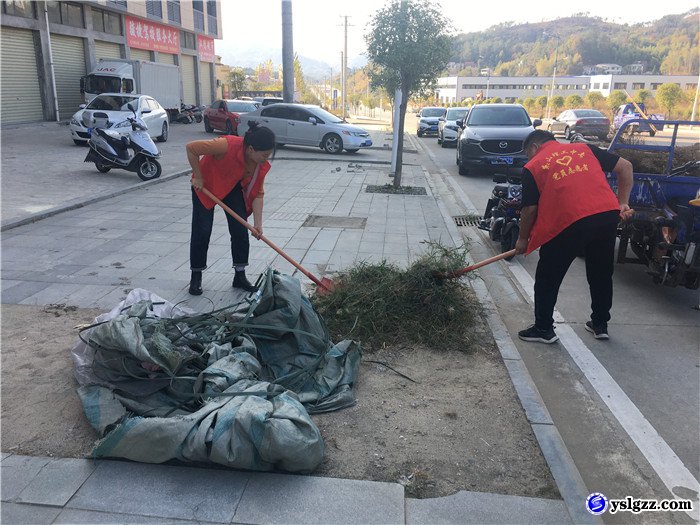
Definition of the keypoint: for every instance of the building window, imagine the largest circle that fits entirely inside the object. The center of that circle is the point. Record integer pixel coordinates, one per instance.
(596, 86)
(620, 85)
(211, 17)
(174, 11)
(21, 8)
(655, 86)
(66, 13)
(691, 86)
(198, 10)
(120, 4)
(106, 22)
(606, 85)
(154, 9)
(187, 40)
(637, 85)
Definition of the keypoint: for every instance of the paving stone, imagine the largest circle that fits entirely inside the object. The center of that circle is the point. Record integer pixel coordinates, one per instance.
(482, 508)
(20, 514)
(69, 516)
(278, 498)
(162, 491)
(19, 292)
(57, 481)
(16, 472)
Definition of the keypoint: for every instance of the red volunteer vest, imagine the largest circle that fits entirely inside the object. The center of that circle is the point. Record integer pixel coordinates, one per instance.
(572, 186)
(222, 175)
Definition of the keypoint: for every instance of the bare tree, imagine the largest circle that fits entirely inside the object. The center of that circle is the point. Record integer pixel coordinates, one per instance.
(408, 44)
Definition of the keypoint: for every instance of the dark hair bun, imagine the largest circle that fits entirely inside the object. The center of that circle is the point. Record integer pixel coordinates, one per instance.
(261, 138)
(252, 126)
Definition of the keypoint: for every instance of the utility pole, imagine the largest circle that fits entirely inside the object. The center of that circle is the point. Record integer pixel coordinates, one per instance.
(695, 103)
(342, 84)
(287, 52)
(345, 69)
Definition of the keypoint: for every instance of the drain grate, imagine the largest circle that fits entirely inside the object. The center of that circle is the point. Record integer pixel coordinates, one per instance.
(467, 220)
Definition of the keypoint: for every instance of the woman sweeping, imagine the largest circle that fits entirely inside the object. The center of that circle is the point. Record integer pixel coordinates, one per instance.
(232, 169)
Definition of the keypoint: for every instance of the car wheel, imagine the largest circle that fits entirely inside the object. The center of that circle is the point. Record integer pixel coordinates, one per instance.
(79, 142)
(149, 169)
(443, 143)
(352, 150)
(279, 145)
(229, 128)
(462, 168)
(332, 143)
(207, 127)
(101, 167)
(419, 133)
(164, 133)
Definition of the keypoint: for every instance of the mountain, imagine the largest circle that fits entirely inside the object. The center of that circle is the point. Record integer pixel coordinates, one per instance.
(667, 46)
(234, 55)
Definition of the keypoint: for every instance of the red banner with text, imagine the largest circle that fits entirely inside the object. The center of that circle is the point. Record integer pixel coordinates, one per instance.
(144, 34)
(205, 48)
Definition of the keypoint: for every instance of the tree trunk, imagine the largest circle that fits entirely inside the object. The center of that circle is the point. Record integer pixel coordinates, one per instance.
(399, 142)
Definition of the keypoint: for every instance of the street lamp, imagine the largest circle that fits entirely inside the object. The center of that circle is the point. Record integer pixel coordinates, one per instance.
(554, 74)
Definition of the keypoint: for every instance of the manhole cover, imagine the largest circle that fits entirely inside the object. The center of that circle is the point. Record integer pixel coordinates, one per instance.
(330, 221)
(467, 220)
(401, 190)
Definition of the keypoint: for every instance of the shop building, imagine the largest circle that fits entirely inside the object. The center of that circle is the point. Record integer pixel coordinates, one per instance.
(47, 46)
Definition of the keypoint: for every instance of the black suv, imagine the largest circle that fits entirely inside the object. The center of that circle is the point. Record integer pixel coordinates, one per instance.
(492, 138)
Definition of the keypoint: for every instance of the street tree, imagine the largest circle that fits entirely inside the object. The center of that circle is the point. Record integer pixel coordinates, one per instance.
(616, 99)
(409, 45)
(594, 99)
(668, 96)
(542, 102)
(236, 80)
(573, 101)
(557, 102)
(643, 95)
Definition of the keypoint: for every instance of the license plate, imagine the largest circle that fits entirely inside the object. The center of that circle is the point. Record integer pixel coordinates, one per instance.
(502, 160)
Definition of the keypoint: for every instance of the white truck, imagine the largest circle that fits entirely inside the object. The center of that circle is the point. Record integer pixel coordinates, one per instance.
(118, 75)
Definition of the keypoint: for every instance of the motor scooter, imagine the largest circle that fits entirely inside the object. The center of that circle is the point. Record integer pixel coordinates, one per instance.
(502, 216)
(131, 151)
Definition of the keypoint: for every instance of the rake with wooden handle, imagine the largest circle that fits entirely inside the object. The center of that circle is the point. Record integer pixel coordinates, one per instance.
(325, 284)
(462, 271)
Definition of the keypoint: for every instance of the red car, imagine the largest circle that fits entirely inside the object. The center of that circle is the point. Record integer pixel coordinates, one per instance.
(224, 115)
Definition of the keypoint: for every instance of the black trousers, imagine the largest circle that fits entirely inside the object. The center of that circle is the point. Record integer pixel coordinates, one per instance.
(592, 236)
(202, 222)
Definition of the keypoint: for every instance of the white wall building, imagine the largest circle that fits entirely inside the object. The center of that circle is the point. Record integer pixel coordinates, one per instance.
(508, 89)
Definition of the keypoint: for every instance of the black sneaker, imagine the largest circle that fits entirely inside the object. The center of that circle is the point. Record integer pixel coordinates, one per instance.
(541, 336)
(241, 281)
(598, 331)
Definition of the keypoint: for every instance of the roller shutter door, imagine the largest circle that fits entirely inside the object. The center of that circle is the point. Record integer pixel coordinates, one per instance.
(69, 66)
(140, 54)
(205, 78)
(189, 90)
(167, 58)
(21, 94)
(107, 50)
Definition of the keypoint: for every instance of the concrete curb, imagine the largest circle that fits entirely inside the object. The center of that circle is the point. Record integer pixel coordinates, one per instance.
(34, 217)
(567, 477)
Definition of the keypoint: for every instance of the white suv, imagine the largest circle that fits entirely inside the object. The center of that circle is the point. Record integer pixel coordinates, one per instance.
(448, 130)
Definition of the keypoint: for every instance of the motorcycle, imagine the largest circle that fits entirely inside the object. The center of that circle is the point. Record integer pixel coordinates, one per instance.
(502, 216)
(131, 151)
(189, 113)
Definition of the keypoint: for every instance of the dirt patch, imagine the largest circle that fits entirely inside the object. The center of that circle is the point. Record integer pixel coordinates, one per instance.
(458, 427)
(454, 423)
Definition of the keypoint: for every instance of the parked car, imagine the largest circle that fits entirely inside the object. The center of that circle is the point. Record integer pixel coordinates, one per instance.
(428, 119)
(309, 125)
(115, 106)
(448, 129)
(224, 115)
(266, 101)
(492, 139)
(587, 122)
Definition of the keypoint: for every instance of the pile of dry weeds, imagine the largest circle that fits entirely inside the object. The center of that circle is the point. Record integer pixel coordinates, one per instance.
(656, 162)
(381, 304)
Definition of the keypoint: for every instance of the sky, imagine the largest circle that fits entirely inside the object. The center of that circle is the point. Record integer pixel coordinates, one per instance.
(318, 24)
